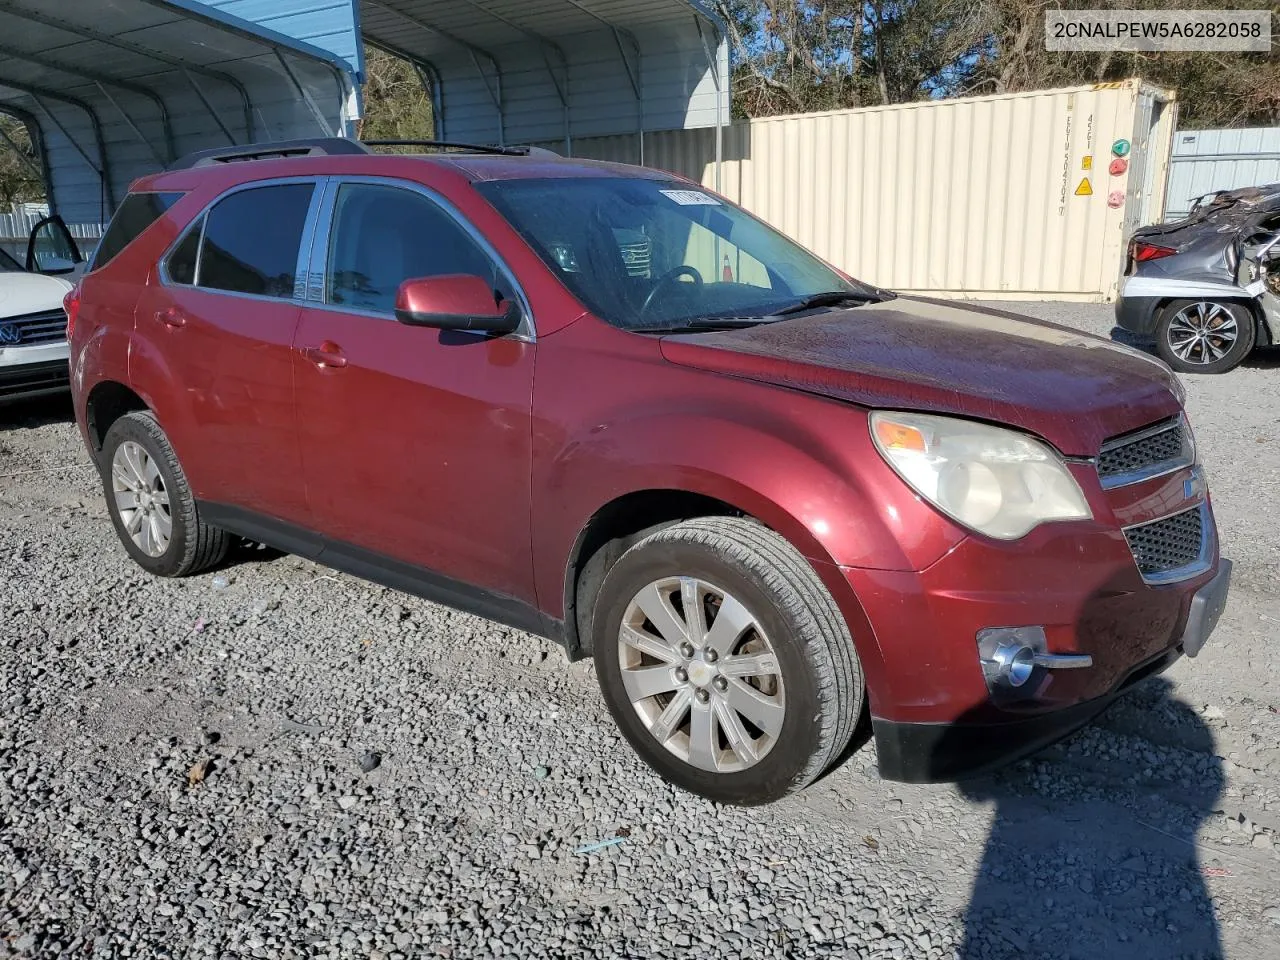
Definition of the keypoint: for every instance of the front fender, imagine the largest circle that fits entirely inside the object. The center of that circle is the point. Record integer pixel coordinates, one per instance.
(812, 476)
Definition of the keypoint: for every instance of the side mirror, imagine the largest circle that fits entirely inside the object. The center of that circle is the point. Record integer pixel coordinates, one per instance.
(455, 302)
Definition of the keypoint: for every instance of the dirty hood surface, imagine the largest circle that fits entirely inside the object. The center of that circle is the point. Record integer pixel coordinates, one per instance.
(1073, 389)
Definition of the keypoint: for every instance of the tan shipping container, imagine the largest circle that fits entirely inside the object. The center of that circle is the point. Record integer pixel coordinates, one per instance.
(1002, 197)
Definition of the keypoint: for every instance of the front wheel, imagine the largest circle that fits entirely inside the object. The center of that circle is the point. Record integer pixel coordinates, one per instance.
(725, 662)
(1204, 336)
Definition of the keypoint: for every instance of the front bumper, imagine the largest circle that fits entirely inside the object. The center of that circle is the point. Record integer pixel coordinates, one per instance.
(938, 752)
(36, 374)
(934, 715)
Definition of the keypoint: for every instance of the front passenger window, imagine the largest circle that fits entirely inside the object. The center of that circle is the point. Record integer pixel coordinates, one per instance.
(382, 236)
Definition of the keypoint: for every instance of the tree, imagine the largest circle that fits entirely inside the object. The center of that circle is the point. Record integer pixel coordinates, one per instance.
(19, 181)
(793, 56)
(396, 105)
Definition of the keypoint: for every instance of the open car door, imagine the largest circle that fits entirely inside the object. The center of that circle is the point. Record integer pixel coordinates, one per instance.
(52, 250)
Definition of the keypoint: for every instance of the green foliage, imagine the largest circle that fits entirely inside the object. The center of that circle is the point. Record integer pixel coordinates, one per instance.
(396, 106)
(19, 182)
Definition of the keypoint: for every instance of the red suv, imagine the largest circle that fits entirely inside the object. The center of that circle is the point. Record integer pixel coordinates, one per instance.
(606, 406)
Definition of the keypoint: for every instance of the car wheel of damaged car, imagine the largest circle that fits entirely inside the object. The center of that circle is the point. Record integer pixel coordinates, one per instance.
(151, 504)
(725, 661)
(1205, 336)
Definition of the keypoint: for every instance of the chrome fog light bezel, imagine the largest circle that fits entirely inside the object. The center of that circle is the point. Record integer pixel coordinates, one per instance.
(1008, 654)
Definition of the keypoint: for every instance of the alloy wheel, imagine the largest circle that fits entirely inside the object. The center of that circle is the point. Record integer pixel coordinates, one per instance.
(701, 674)
(141, 498)
(1202, 333)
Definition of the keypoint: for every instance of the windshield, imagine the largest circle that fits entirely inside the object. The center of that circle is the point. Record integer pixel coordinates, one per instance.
(655, 254)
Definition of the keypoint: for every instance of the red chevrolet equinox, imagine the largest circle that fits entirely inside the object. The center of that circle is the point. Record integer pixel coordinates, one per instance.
(606, 406)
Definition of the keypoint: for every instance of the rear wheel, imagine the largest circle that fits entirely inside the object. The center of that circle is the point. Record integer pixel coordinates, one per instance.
(725, 662)
(1205, 336)
(150, 503)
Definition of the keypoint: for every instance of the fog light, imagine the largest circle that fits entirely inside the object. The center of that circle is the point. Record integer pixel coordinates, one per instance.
(1014, 663)
(1008, 654)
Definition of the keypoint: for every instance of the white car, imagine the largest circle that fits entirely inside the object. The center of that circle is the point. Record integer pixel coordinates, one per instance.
(33, 324)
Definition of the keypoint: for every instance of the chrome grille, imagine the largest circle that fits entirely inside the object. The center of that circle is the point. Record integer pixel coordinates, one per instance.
(48, 326)
(1147, 453)
(1171, 548)
(636, 256)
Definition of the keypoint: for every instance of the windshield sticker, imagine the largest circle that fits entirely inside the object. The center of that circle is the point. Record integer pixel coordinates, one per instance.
(691, 198)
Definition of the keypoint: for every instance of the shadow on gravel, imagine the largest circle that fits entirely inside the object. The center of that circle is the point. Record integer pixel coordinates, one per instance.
(39, 412)
(1095, 859)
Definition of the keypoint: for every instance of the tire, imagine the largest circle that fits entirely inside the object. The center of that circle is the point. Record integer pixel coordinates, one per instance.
(1205, 336)
(135, 447)
(806, 692)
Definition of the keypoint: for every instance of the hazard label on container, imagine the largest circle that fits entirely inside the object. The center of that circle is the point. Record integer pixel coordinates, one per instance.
(1086, 162)
(1085, 189)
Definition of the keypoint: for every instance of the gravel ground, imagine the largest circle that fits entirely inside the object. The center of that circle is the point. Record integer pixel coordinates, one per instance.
(278, 761)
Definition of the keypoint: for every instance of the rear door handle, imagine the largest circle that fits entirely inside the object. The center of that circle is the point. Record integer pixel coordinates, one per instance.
(172, 317)
(328, 354)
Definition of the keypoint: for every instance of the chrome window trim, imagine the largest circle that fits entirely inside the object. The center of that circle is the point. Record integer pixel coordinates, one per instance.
(308, 238)
(165, 279)
(1154, 470)
(203, 219)
(316, 292)
(1208, 535)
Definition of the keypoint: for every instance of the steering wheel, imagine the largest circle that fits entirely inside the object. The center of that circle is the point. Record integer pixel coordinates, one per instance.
(666, 280)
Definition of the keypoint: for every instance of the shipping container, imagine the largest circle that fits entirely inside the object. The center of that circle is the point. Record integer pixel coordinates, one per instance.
(1017, 196)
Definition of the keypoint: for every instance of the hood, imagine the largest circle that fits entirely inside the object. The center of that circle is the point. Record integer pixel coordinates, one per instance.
(1072, 389)
(22, 293)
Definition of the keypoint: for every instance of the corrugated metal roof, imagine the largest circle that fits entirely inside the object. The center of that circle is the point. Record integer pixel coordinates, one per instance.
(117, 89)
(523, 70)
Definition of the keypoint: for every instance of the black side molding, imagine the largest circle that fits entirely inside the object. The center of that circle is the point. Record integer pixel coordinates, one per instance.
(387, 571)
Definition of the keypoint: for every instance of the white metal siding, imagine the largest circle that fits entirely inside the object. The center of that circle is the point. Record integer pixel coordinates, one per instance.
(1208, 160)
(971, 197)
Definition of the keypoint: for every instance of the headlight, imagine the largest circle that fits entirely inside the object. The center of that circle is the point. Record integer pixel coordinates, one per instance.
(997, 482)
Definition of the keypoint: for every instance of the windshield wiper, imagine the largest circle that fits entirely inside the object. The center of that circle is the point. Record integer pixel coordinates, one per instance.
(695, 324)
(828, 298)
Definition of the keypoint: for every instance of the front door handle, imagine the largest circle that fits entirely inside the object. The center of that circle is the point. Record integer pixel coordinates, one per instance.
(328, 354)
(172, 317)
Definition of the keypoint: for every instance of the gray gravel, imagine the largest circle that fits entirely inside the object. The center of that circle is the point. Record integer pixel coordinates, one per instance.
(279, 761)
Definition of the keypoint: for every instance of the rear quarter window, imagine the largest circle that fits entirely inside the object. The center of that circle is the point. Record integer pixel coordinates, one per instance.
(132, 217)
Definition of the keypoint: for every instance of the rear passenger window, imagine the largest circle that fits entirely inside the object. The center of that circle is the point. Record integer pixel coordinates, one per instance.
(139, 211)
(251, 240)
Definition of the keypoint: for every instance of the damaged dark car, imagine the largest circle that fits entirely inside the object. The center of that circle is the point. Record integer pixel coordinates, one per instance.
(1206, 288)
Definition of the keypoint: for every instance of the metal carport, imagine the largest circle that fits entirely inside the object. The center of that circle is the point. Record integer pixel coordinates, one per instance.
(114, 89)
(521, 71)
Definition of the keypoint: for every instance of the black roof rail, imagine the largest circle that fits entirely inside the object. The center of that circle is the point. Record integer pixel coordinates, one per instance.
(315, 147)
(469, 147)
